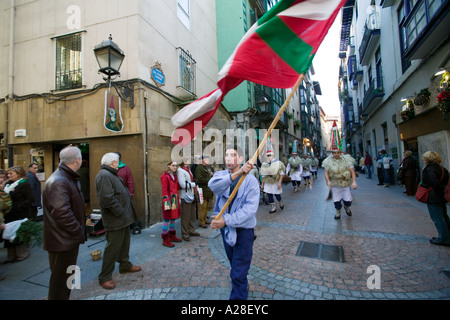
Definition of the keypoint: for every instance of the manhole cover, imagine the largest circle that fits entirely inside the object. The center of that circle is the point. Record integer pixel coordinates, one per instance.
(321, 251)
(446, 272)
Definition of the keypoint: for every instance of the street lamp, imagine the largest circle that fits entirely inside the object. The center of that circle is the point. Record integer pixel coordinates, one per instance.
(263, 105)
(109, 57)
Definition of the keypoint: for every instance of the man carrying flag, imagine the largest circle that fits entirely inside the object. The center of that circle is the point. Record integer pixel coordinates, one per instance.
(274, 52)
(237, 225)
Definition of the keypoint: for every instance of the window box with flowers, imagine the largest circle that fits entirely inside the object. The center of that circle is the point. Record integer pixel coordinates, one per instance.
(407, 112)
(443, 99)
(443, 103)
(423, 97)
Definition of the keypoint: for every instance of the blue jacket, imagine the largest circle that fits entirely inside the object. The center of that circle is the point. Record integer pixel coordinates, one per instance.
(242, 213)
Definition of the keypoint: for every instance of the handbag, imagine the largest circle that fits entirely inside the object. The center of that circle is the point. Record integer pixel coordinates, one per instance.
(400, 173)
(189, 195)
(422, 193)
(200, 195)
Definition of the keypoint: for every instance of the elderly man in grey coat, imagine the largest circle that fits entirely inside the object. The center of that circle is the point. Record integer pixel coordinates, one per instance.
(117, 216)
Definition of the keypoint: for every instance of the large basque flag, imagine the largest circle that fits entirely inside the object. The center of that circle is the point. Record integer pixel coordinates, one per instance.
(274, 52)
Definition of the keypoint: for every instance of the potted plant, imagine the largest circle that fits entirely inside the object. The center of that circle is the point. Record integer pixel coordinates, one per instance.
(423, 97)
(30, 233)
(407, 112)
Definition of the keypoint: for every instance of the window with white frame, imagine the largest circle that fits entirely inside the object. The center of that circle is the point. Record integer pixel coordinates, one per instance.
(183, 13)
(186, 70)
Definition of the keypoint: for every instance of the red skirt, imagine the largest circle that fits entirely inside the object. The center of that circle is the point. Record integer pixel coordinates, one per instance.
(170, 214)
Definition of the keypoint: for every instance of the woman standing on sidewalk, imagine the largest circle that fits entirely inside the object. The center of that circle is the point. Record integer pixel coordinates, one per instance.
(22, 198)
(170, 204)
(409, 173)
(436, 177)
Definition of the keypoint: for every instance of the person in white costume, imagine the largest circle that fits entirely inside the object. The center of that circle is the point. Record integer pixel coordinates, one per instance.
(306, 174)
(295, 168)
(340, 176)
(272, 172)
(314, 166)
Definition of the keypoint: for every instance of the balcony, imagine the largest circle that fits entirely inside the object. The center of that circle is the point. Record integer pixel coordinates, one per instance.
(370, 38)
(351, 66)
(373, 96)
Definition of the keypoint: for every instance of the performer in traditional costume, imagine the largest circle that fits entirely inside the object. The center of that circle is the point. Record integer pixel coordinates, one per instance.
(306, 163)
(314, 165)
(272, 174)
(295, 168)
(340, 176)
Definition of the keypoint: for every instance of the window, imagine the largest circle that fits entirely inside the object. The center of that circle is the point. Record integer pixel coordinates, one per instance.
(69, 72)
(401, 15)
(414, 16)
(378, 70)
(183, 13)
(187, 67)
(416, 24)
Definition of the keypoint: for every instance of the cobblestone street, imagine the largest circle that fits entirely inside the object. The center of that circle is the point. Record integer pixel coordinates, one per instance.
(387, 230)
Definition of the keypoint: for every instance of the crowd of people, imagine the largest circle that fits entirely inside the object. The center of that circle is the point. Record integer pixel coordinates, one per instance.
(189, 191)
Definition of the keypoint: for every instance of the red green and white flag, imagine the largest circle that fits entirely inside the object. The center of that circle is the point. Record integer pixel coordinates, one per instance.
(274, 52)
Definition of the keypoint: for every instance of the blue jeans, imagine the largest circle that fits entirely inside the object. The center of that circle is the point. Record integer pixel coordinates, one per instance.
(438, 214)
(270, 197)
(240, 257)
(386, 177)
(369, 171)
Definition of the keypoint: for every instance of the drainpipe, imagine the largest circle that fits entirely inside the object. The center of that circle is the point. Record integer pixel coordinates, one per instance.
(11, 51)
(11, 80)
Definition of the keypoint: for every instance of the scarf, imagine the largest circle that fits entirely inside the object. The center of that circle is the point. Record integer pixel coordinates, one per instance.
(11, 187)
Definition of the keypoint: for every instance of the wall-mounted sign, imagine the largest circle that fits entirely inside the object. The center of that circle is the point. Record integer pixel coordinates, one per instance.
(157, 74)
(113, 112)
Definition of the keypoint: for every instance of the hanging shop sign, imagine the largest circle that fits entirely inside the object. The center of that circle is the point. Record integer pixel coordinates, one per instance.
(113, 112)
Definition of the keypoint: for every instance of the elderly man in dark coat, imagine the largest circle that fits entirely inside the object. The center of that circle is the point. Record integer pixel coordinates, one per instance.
(64, 221)
(117, 216)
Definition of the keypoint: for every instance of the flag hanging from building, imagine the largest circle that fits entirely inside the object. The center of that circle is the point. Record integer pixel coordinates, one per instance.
(336, 141)
(274, 52)
(113, 112)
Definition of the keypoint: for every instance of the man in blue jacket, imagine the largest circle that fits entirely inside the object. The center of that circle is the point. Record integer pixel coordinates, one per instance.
(239, 220)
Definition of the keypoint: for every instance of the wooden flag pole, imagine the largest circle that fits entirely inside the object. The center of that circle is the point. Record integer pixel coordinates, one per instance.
(262, 144)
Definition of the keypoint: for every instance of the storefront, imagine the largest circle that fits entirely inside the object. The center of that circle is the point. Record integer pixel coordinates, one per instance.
(98, 122)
